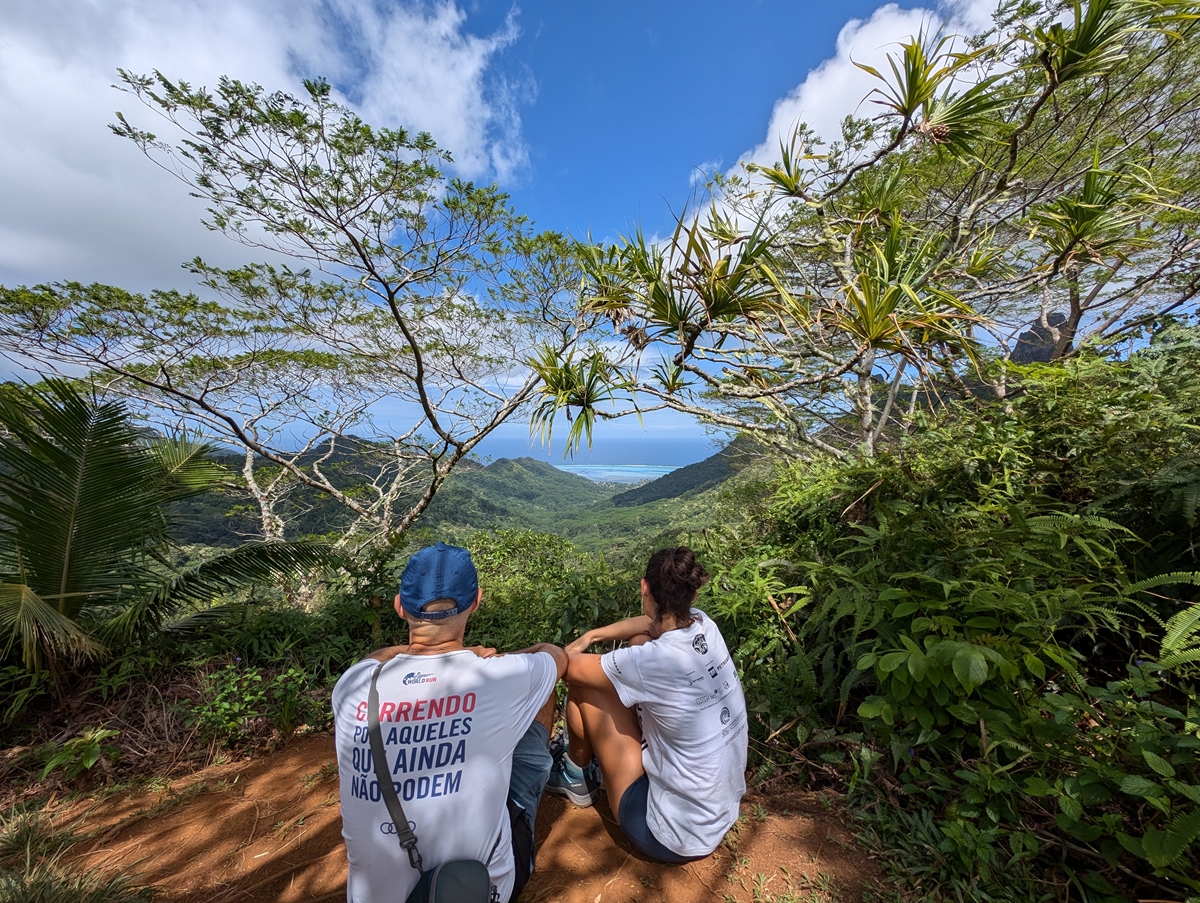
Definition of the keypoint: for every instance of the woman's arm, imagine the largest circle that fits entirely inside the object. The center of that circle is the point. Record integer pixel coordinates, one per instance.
(584, 670)
(618, 632)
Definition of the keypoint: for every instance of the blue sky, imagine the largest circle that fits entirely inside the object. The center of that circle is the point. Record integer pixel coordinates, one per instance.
(633, 97)
(596, 117)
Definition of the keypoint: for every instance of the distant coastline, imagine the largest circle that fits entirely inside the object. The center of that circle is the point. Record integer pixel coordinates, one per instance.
(618, 473)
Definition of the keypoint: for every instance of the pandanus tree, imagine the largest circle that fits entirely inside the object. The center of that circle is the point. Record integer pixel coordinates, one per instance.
(85, 529)
(1044, 173)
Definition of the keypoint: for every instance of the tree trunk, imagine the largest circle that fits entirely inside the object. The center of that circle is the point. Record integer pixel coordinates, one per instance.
(270, 523)
(866, 404)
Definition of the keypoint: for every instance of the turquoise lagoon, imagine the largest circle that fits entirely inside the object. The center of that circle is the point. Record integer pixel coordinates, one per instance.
(618, 473)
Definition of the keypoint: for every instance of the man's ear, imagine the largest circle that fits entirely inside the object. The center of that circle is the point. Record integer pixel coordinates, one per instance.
(400, 608)
(475, 605)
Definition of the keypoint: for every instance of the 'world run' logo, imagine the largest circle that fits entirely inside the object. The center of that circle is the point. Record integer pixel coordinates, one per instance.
(416, 677)
(700, 644)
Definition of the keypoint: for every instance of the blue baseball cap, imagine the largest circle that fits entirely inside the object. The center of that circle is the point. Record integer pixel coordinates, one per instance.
(439, 572)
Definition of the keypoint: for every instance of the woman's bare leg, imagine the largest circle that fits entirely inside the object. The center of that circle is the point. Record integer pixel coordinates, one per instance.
(598, 723)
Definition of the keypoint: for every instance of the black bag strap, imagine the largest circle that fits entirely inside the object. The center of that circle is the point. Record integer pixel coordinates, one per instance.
(404, 832)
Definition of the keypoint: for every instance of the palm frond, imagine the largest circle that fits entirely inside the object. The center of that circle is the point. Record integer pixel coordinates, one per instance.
(81, 494)
(27, 618)
(202, 585)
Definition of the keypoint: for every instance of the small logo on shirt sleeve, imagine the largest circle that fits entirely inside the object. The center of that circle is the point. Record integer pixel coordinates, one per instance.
(700, 644)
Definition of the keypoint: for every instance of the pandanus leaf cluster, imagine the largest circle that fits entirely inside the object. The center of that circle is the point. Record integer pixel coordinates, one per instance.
(1031, 185)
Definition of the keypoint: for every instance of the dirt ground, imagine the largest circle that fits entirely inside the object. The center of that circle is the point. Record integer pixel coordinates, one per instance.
(268, 829)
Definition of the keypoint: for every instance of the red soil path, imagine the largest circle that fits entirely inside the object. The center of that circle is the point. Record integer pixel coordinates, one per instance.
(268, 829)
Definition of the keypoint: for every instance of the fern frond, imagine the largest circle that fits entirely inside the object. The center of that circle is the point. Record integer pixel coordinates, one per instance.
(1192, 577)
(1183, 629)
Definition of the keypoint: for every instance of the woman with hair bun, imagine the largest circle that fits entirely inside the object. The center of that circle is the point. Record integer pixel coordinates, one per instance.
(664, 717)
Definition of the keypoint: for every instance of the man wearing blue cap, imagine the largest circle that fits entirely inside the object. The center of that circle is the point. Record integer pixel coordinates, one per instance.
(466, 736)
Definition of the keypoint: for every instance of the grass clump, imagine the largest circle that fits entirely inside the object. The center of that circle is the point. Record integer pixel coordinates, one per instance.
(33, 870)
(53, 882)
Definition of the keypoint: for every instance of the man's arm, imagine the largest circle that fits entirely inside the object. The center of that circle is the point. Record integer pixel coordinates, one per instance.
(556, 652)
(617, 632)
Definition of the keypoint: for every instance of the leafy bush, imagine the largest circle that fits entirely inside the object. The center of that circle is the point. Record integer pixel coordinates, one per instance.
(235, 697)
(538, 588)
(290, 703)
(985, 603)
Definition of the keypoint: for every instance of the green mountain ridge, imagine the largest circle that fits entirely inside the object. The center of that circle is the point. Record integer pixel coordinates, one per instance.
(509, 493)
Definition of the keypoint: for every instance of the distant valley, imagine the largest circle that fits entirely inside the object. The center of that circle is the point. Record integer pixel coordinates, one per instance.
(520, 493)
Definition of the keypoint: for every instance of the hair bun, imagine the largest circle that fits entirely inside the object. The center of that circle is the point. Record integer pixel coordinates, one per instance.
(674, 577)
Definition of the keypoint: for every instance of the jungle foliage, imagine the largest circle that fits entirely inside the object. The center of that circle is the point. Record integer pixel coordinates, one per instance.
(967, 596)
(997, 612)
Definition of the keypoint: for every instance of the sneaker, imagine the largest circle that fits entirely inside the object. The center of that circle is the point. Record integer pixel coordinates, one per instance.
(580, 785)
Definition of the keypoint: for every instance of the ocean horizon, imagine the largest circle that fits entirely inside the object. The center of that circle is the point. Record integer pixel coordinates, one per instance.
(619, 473)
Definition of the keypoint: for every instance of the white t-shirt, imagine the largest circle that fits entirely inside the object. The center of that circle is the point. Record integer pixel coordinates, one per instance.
(450, 723)
(694, 732)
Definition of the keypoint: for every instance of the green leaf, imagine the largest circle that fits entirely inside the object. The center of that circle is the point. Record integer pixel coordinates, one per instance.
(1191, 791)
(25, 617)
(918, 665)
(1131, 844)
(904, 609)
(1070, 807)
(983, 623)
(892, 661)
(1039, 787)
(963, 712)
(876, 707)
(970, 667)
(1160, 765)
(1158, 848)
(1035, 666)
(1136, 785)
(867, 661)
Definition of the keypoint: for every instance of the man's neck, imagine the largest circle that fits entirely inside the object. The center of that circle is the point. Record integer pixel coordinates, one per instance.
(416, 647)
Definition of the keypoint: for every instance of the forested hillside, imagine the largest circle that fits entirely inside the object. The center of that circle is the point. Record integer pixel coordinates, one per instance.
(510, 493)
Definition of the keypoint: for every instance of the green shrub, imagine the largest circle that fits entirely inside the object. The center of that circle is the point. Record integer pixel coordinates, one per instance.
(80, 754)
(983, 605)
(538, 588)
(235, 696)
(291, 703)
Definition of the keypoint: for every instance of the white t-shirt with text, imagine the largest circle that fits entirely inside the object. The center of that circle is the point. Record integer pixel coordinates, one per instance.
(450, 723)
(694, 732)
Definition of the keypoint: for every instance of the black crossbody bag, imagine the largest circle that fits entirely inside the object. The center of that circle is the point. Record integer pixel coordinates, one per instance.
(460, 881)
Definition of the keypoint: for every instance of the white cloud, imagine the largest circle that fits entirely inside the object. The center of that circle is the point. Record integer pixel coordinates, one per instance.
(78, 203)
(836, 88)
(702, 172)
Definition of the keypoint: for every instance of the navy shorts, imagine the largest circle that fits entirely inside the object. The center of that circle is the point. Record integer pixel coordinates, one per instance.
(632, 819)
